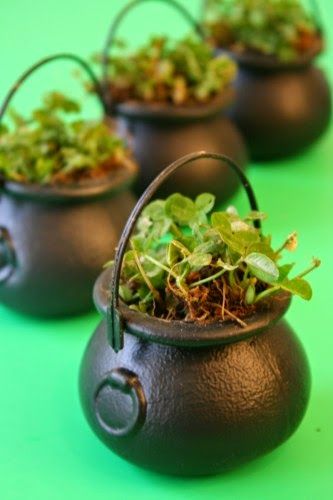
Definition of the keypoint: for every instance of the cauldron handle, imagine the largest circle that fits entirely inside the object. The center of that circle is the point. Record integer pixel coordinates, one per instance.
(7, 251)
(7, 255)
(64, 55)
(128, 384)
(115, 321)
(112, 36)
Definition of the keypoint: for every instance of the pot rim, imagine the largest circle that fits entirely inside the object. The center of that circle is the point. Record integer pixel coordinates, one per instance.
(156, 110)
(188, 334)
(271, 62)
(116, 181)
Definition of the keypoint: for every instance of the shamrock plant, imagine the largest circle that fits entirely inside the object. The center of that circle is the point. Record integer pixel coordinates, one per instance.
(164, 70)
(47, 148)
(186, 262)
(282, 28)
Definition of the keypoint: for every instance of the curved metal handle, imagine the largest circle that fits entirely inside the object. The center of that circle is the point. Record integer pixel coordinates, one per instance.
(112, 35)
(114, 319)
(7, 255)
(44, 61)
(127, 383)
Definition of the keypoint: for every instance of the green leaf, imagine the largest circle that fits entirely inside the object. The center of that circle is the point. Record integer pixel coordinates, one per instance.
(250, 294)
(241, 226)
(155, 210)
(125, 293)
(199, 260)
(262, 247)
(262, 267)
(56, 100)
(247, 238)
(284, 271)
(180, 209)
(205, 202)
(297, 286)
(210, 246)
(255, 215)
(221, 221)
(232, 241)
(225, 265)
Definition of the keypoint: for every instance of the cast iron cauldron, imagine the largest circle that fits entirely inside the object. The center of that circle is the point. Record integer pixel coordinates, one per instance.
(54, 240)
(188, 399)
(281, 108)
(160, 133)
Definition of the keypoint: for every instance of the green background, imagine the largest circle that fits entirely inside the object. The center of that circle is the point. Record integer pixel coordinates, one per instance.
(47, 450)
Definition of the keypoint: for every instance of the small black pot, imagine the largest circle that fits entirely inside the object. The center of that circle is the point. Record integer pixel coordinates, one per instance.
(54, 240)
(281, 108)
(189, 399)
(159, 134)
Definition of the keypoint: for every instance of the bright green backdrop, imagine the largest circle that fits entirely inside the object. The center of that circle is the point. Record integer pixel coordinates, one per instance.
(47, 450)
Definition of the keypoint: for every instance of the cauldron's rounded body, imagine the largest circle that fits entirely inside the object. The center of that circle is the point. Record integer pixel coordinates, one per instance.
(281, 109)
(55, 241)
(194, 400)
(160, 134)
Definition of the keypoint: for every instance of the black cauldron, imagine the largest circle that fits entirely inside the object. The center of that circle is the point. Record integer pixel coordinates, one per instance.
(161, 133)
(54, 240)
(281, 108)
(188, 399)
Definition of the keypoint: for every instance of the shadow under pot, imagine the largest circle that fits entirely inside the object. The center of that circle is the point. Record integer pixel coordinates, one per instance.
(55, 240)
(186, 398)
(281, 108)
(158, 134)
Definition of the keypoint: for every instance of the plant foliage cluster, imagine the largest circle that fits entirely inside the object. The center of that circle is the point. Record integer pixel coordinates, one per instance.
(164, 70)
(186, 262)
(282, 28)
(47, 148)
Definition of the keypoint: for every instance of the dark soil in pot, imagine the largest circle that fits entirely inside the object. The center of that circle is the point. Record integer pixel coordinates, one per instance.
(55, 240)
(192, 400)
(161, 133)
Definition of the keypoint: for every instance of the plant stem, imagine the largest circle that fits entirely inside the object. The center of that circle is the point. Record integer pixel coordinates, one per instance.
(176, 231)
(287, 242)
(208, 279)
(160, 265)
(233, 316)
(232, 280)
(316, 263)
(149, 284)
(266, 293)
(181, 247)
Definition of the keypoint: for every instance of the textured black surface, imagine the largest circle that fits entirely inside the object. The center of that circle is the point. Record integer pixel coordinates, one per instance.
(60, 247)
(160, 135)
(207, 409)
(281, 111)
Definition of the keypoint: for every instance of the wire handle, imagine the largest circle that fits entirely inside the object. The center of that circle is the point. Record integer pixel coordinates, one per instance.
(47, 60)
(115, 321)
(113, 31)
